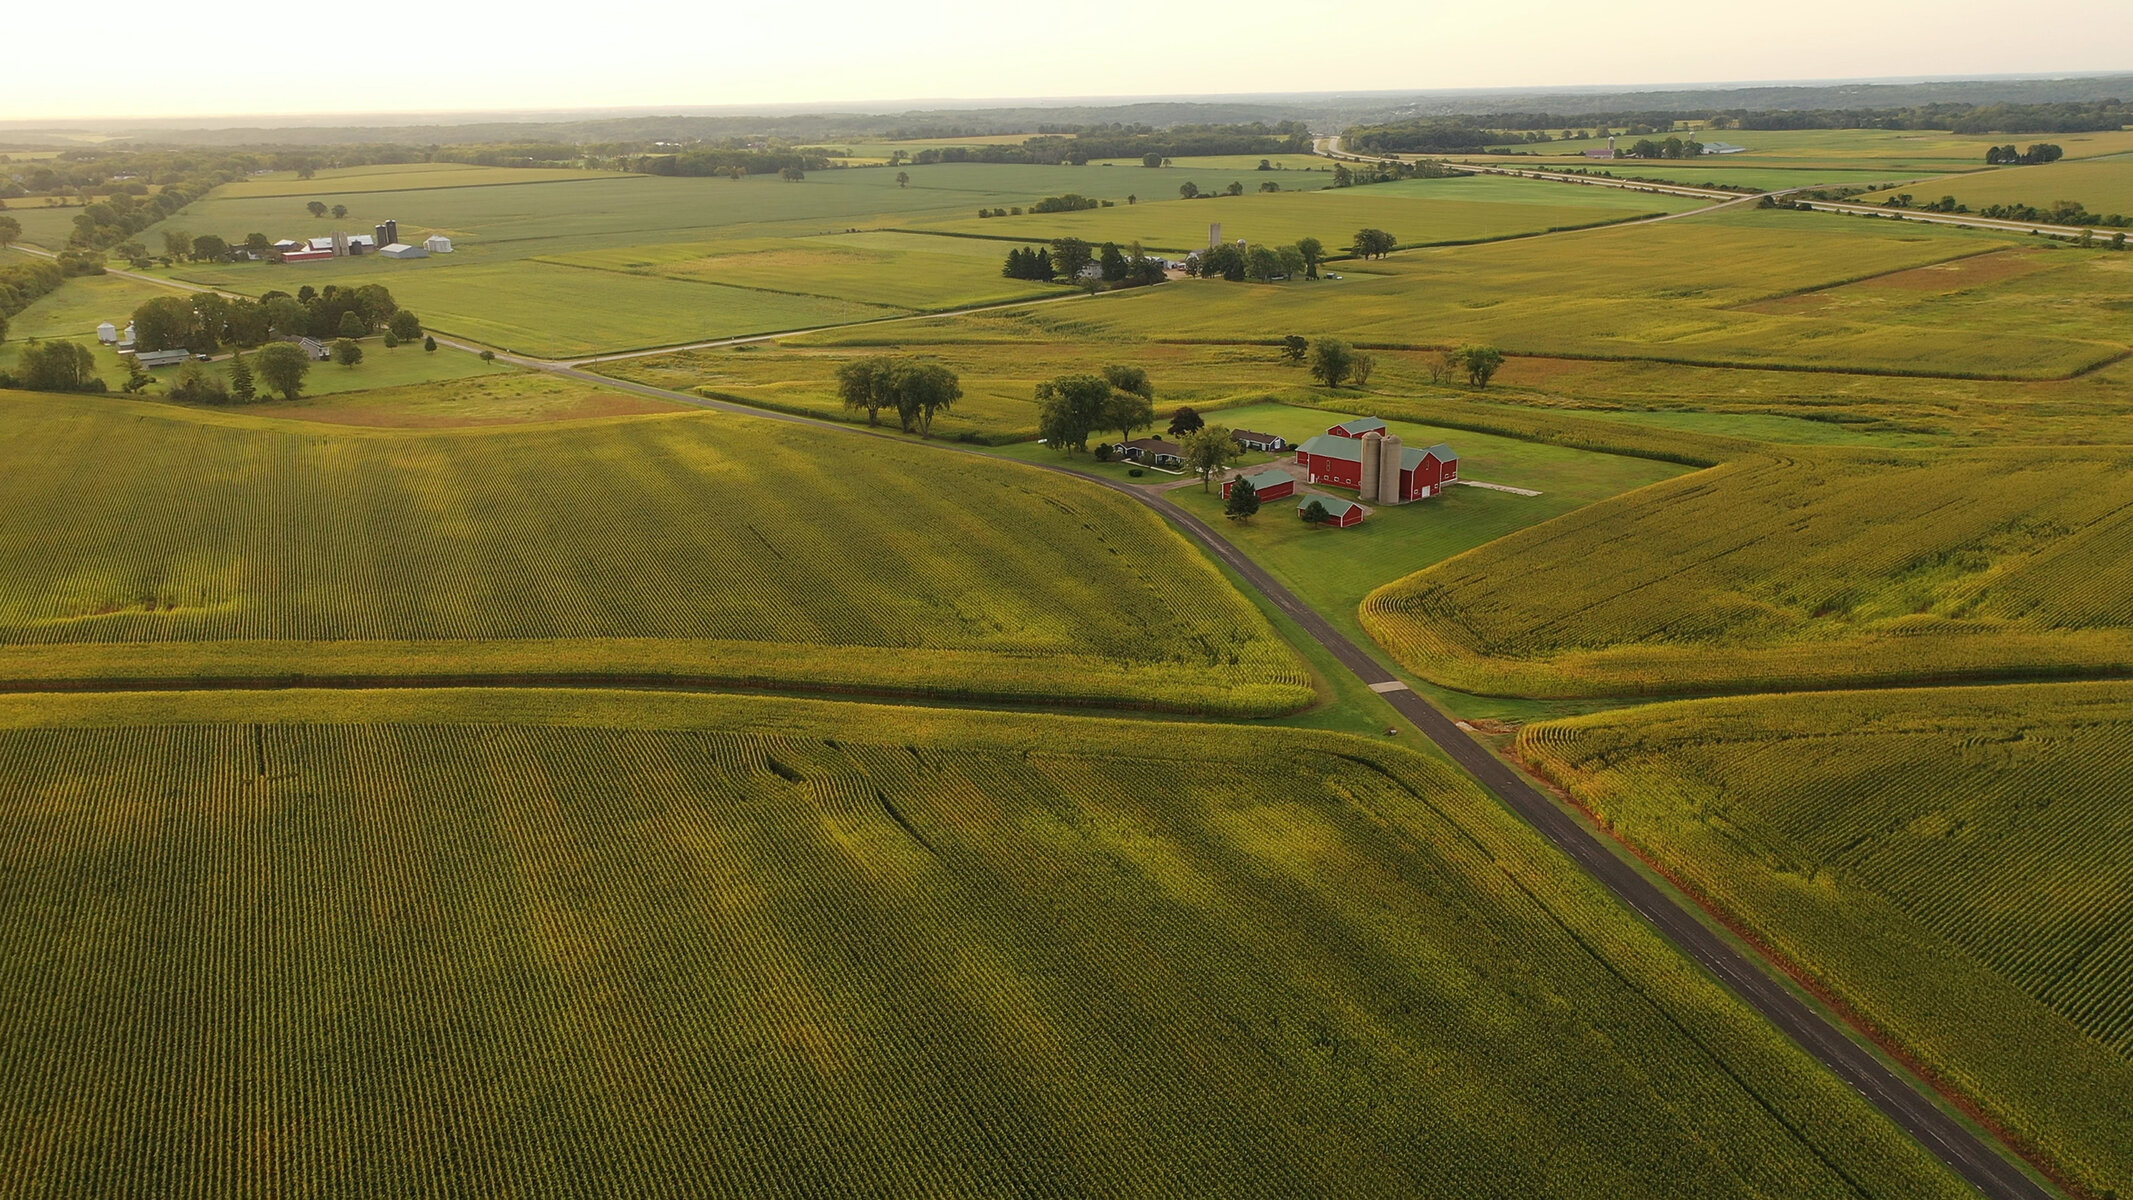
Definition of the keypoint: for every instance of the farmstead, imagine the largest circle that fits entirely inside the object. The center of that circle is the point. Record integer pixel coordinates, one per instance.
(1378, 466)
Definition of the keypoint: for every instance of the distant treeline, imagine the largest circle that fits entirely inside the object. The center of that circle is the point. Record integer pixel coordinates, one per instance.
(1287, 137)
(728, 162)
(1471, 134)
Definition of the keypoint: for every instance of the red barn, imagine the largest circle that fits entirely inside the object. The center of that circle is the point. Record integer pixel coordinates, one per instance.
(1271, 485)
(1339, 513)
(1357, 427)
(1366, 464)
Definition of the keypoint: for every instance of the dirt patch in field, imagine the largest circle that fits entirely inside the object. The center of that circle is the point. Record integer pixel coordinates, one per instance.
(356, 409)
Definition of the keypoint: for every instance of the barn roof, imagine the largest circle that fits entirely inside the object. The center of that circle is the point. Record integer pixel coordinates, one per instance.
(1261, 480)
(1335, 506)
(1444, 452)
(1333, 445)
(1361, 425)
(1253, 435)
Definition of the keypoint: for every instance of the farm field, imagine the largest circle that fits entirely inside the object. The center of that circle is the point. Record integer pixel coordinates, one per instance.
(999, 370)
(46, 226)
(1729, 171)
(906, 271)
(399, 177)
(1418, 212)
(1950, 862)
(1820, 568)
(613, 943)
(2101, 185)
(1875, 149)
(1282, 163)
(598, 550)
(2038, 291)
(1676, 292)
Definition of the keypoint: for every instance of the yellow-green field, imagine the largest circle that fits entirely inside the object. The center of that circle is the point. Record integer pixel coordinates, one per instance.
(1949, 862)
(690, 946)
(676, 546)
(1821, 568)
(1418, 212)
(1680, 291)
(1861, 149)
(397, 177)
(2101, 185)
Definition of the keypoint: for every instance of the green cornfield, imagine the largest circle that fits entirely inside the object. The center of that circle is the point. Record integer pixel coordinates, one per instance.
(151, 541)
(1952, 862)
(533, 944)
(1817, 569)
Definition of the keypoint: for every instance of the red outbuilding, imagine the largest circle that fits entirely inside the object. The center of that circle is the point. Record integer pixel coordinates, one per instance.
(1357, 427)
(1270, 484)
(1339, 513)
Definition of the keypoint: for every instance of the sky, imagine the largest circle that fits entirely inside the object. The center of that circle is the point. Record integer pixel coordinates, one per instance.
(268, 57)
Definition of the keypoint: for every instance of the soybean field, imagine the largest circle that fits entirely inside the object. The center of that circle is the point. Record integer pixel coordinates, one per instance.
(665, 945)
(1952, 863)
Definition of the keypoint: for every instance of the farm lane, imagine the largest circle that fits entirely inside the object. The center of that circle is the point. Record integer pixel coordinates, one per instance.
(1901, 1098)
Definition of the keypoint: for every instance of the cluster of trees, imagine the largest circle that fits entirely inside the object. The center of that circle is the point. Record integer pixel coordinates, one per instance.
(1072, 407)
(1672, 147)
(915, 390)
(729, 163)
(1067, 258)
(1426, 135)
(202, 322)
(1331, 361)
(1071, 202)
(2060, 212)
(23, 281)
(1257, 264)
(1372, 243)
(54, 367)
(1179, 141)
(1029, 262)
(2008, 156)
(278, 369)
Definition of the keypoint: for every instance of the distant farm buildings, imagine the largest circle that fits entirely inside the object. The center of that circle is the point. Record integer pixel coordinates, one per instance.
(107, 333)
(437, 243)
(384, 242)
(1378, 466)
(403, 250)
(162, 358)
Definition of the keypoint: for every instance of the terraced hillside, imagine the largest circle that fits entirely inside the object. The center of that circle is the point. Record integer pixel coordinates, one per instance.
(614, 944)
(1951, 862)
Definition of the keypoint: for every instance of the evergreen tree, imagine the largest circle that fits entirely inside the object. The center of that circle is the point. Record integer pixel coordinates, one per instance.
(1243, 500)
(242, 388)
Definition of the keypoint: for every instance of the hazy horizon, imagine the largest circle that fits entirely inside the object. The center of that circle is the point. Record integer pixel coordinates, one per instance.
(477, 56)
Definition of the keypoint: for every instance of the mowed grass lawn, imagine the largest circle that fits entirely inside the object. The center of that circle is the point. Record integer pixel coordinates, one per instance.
(2101, 185)
(1418, 212)
(1952, 863)
(218, 542)
(601, 943)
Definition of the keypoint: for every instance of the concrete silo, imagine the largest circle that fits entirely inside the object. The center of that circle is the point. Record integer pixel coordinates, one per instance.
(1388, 470)
(1368, 488)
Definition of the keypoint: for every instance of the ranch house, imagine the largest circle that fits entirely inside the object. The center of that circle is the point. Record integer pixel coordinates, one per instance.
(1269, 483)
(1379, 468)
(1151, 450)
(1343, 513)
(1252, 439)
(1357, 427)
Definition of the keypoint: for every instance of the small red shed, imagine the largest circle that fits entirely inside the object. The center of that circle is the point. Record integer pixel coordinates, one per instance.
(1271, 485)
(1357, 427)
(1339, 513)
